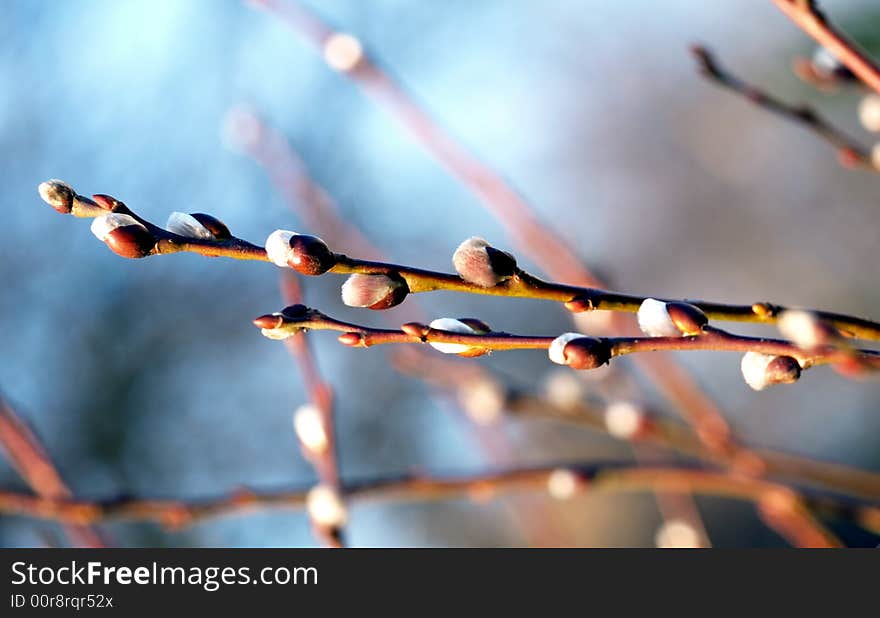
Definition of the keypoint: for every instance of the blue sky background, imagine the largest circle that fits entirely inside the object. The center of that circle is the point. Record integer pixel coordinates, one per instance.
(146, 377)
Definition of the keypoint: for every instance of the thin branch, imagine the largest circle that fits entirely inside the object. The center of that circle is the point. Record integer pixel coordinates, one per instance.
(596, 477)
(668, 434)
(30, 460)
(297, 317)
(520, 284)
(325, 462)
(807, 17)
(850, 152)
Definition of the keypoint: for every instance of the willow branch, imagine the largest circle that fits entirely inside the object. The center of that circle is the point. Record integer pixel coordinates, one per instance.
(596, 477)
(850, 152)
(520, 284)
(298, 317)
(807, 17)
(30, 460)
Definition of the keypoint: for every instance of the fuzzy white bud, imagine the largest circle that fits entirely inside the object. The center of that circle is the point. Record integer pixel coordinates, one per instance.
(562, 484)
(308, 423)
(623, 419)
(453, 326)
(103, 225)
(803, 328)
(278, 247)
(754, 369)
(478, 262)
(654, 319)
(869, 112)
(677, 534)
(556, 352)
(361, 290)
(342, 51)
(325, 507)
(186, 225)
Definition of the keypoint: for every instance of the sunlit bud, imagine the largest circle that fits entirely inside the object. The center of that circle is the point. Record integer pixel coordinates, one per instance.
(58, 194)
(579, 351)
(124, 235)
(763, 370)
(688, 319)
(453, 326)
(564, 389)
(677, 534)
(478, 325)
(481, 264)
(374, 291)
(189, 226)
(804, 328)
(278, 246)
(107, 202)
(869, 112)
(660, 319)
(309, 255)
(270, 326)
(557, 347)
(199, 220)
(562, 484)
(624, 419)
(325, 507)
(308, 422)
(483, 399)
(342, 51)
(352, 339)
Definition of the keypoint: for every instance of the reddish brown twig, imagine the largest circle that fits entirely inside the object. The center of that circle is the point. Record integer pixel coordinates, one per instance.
(807, 17)
(320, 393)
(520, 284)
(30, 460)
(850, 152)
(603, 477)
(295, 318)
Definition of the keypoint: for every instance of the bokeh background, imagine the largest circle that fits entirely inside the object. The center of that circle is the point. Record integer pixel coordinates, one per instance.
(146, 377)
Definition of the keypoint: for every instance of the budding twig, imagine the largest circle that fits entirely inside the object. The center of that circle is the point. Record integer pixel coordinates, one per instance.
(850, 152)
(295, 318)
(603, 477)
(668, 434)
(318, 259)
(806, 15)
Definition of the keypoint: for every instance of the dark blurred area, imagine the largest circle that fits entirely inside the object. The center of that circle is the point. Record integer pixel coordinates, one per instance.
(146, 377)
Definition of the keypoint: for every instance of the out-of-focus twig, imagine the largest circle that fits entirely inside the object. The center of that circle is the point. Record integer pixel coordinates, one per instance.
(807, 16)
(30, 460)
(850, 152)
(320, 393)
(592, 477)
